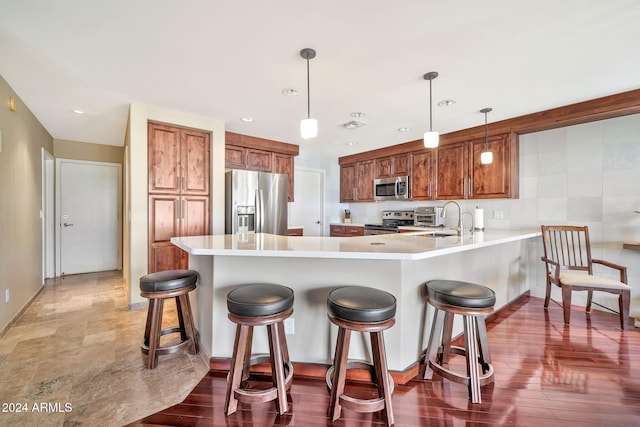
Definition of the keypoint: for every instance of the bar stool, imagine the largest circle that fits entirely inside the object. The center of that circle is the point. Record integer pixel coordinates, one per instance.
(362, 309)
(473, 302)
(157, 287)
(259, 304)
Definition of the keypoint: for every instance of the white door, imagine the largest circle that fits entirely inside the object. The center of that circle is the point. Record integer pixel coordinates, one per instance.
(307, 209)
(88, 220)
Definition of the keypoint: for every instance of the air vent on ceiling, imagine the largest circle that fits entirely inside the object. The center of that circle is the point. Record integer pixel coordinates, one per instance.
(353, 124)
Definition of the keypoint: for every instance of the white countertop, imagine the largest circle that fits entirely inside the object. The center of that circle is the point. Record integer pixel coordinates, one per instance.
(400, 246)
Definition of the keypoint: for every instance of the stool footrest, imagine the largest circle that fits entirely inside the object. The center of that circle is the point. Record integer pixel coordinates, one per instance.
(358, 364)
(456, 377)
(255, 396)
(362, 405)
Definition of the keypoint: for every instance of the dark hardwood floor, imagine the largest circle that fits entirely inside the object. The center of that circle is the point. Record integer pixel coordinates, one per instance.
(587, 374)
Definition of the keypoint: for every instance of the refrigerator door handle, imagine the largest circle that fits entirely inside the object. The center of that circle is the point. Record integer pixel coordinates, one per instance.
(259, 211)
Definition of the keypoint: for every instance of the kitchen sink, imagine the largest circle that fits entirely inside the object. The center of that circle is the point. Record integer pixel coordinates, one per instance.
(436, 234)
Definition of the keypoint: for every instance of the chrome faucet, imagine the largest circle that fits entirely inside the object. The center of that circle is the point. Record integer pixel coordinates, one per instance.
(444, 213)
(472, 224)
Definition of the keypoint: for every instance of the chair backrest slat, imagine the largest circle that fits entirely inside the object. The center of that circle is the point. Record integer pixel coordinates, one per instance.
(568, 246)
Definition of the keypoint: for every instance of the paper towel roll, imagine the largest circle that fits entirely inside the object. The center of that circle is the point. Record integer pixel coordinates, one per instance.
(478, 219)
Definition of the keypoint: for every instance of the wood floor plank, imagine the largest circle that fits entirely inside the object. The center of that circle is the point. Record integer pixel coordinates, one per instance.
(583, 375)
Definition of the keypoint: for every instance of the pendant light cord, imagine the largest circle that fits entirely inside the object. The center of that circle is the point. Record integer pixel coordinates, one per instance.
(430, 108)
(308, 92)
(486, 132)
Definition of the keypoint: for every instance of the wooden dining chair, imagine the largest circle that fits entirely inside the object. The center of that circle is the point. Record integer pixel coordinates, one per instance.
(568, 262)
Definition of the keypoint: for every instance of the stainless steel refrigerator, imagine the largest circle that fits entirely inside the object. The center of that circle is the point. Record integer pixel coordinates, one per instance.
(255, 202)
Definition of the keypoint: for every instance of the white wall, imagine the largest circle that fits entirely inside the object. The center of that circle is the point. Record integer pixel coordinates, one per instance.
(586, 174)
(23, 138)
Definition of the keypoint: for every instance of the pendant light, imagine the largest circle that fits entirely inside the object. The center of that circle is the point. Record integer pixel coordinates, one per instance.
(308, 126)
(486, 157)
(431, 138)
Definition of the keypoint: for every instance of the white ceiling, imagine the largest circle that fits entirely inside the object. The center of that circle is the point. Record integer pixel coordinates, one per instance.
(227, 59)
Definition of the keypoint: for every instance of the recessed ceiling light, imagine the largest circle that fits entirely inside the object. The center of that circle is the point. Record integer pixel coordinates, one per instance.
(446, 103)
(289, 92)
(404, 129)
(350, 143)
(247, 119)
(78, 111)
(358, 114)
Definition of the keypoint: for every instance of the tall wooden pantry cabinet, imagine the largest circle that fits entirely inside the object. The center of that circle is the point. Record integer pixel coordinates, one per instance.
(179, 194)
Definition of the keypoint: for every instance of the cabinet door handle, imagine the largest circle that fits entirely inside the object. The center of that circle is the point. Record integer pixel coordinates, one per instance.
(430, 185)
(178, 209)
(183, 209)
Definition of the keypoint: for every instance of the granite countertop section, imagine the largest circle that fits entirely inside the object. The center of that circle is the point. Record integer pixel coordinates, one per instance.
(397, 246)
(353, 224)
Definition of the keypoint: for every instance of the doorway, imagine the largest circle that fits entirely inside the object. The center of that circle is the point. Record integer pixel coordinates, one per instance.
(87, 216)
(308, 208)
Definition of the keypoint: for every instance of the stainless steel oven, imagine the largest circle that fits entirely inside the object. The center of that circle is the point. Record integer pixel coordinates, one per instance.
(428, 216)
(391, 220)
(396, 188)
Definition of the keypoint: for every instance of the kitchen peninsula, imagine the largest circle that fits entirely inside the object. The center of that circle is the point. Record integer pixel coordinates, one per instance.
(503, 260)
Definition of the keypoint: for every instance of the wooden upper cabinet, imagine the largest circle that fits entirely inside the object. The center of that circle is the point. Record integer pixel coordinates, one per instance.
(451, 171)
(386, 167)
(258, 160)
(421, 179)
(164, 159)
(234, 157)
(194, 162)
(348, 183)
(356, 182)
(259, 154)
(283, 163)
(364, 181)
(493, 180)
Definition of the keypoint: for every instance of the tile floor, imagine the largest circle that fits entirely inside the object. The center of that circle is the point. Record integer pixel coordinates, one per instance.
(74, 358)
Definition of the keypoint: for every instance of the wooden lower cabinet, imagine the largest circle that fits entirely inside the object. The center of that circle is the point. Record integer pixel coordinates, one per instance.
(337, 230)
(295, 232)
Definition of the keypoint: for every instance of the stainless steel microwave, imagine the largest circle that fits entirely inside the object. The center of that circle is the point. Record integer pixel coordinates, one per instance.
(396, 188)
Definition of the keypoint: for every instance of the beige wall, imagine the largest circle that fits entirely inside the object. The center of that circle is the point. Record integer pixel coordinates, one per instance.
(23, 138)
(75, 150)
(136, 237)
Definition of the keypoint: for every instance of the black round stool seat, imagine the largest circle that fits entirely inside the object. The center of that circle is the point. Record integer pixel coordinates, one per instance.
(170, 280)
(259, 300)
(361, 304)
(461, 294)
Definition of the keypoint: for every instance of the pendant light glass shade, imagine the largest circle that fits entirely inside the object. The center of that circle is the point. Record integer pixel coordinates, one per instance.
(486, 157)
(431, 138)
(308, 126)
